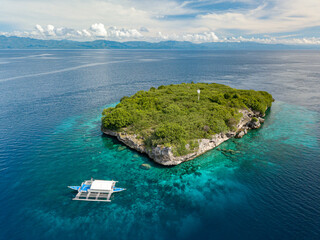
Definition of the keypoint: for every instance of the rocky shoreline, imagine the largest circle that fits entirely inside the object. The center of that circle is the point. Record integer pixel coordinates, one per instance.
(164, 155)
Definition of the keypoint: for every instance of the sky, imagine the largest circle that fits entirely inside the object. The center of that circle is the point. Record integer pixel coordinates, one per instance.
(265, 21)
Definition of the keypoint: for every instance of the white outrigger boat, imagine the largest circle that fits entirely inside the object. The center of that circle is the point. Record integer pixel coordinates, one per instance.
(96, 190)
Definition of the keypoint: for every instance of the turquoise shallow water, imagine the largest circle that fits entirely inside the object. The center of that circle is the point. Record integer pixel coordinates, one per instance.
(267, 188)
(175, 202)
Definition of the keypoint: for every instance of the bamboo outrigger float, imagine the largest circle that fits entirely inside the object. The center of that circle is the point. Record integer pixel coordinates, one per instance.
(96, 190)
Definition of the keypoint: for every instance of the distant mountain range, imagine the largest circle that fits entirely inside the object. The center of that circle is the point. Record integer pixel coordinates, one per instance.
(30, 43)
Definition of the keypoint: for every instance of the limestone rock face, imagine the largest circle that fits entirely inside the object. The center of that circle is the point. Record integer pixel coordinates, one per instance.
(241, 133)
(164, 155)
(254, 124)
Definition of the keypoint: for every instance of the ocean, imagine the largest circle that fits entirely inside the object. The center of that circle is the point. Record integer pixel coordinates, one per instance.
(50, 110)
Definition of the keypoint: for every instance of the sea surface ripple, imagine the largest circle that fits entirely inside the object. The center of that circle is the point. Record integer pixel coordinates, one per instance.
(50, 107)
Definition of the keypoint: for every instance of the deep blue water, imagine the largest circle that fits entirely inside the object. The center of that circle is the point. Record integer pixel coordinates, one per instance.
(50, 109)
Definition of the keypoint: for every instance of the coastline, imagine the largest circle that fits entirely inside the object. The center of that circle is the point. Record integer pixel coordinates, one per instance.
(164, 155)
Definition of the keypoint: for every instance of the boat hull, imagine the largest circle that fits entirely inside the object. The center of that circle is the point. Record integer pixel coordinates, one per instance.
(115, 189)
(96, 190)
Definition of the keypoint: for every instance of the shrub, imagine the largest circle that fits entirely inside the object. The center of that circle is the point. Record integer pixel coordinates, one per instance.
(173, 116)
(123, 98)
(193, 144)
(227, 95)
(180, 148)
(236, 95)
(169, 91)
(170, 132)
(171, 109)
(116, 119)
(217, 125)
(232, 123)
(216, 99)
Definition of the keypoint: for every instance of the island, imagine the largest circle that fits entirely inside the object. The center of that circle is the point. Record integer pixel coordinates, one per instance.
(176, 123)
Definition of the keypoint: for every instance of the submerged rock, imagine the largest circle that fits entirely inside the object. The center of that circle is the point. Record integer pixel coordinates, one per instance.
(145, 166)
(229, 151)
(121, 148)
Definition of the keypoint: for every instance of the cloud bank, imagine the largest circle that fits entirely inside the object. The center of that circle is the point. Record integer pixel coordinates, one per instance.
(195, 20)
(98, 31)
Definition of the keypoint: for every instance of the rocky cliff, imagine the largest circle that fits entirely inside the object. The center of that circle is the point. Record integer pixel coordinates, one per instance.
(164, 155)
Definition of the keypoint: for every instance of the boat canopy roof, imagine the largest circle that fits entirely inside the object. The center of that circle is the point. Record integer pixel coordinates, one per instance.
(102, 185)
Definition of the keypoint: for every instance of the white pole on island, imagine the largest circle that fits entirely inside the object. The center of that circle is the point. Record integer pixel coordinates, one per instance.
(198, 94)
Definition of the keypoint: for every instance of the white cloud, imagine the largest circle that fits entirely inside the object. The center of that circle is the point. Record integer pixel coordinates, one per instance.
(99, 30)
(39, 28)
(144, 29)
(86, 33)
(201, 37)
(51, 30)
(79, 14)
(270, 17)
(273, 40)
(115, 33)
(96, 31)
(212, 37)
(191, 37)
(143, 19)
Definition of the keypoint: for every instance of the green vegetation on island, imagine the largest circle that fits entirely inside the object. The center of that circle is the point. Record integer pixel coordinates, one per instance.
(173, 116)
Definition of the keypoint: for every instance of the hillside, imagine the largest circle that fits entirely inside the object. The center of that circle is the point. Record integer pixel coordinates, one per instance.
(30, 43)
